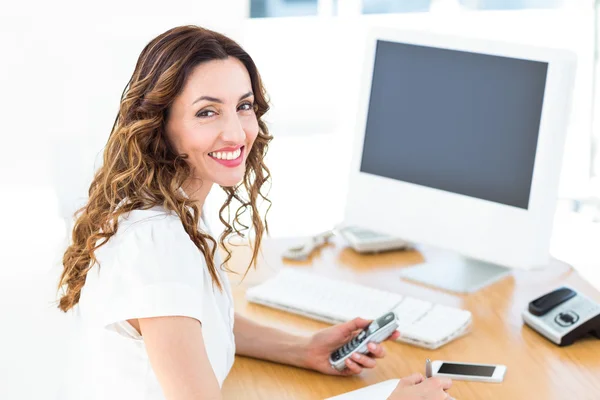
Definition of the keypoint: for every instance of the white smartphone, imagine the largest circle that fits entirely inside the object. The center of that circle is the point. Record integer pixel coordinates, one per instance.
(468, 371)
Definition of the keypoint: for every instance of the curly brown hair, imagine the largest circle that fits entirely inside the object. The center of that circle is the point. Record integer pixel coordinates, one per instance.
(141, 166)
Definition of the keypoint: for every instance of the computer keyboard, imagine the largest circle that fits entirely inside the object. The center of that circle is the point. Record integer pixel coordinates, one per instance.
(422, 323)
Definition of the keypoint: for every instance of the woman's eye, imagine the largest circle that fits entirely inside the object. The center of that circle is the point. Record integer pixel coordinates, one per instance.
(246, 106)
(205, 114)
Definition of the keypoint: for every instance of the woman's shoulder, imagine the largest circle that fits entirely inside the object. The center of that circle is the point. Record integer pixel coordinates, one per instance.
(146, 241)
(155, 227)
(148, 218)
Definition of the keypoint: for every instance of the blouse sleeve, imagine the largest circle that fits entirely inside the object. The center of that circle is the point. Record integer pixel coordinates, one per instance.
(156, 271)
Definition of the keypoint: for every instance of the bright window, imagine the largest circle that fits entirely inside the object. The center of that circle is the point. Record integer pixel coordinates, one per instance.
(282, 8)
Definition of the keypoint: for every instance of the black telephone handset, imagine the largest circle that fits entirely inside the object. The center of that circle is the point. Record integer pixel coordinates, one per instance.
(563, 316)
(547, 302)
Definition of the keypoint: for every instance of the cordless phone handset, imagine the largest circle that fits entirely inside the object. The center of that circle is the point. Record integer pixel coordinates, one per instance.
(377, 331)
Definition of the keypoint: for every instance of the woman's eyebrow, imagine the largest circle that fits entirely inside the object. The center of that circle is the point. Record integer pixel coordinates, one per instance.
(216, 100)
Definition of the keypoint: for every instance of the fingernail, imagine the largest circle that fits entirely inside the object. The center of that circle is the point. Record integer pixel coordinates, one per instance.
(371, 346)
(356, 356)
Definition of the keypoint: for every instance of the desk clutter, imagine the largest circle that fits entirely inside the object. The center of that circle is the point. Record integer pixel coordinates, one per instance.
(360, 239)
(421, 323)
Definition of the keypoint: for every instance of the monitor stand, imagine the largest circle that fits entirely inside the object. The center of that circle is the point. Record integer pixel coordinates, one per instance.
(451, 271)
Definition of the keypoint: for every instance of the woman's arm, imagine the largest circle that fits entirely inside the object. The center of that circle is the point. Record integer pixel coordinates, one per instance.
(312, 352)
(178, 357)
(258, 341)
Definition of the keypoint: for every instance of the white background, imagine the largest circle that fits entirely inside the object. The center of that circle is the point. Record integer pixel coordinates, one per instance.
(63, 68)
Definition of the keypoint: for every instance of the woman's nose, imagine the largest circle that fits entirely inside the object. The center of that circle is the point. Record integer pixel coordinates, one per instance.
(233, 131)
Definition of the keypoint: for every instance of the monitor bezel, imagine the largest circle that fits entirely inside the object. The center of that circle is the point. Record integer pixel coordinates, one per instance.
(481, 229)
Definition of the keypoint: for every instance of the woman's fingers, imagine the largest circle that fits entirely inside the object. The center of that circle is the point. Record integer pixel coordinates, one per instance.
(364, 360)
(394, 336)
(442, 383)
(353, 367)
(376, 350)
(411, 380)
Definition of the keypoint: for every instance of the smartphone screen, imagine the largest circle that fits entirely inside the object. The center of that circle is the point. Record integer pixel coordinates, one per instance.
(469, 370)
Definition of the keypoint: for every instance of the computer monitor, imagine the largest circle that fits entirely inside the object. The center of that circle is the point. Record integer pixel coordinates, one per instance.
(458, 149)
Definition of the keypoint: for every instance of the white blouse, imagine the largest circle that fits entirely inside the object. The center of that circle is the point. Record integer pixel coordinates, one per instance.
(149, 268)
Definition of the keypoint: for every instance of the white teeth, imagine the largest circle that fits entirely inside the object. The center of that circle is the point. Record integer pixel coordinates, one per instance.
(226, 155)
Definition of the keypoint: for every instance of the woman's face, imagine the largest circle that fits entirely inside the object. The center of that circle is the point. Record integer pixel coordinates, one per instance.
(213, 121)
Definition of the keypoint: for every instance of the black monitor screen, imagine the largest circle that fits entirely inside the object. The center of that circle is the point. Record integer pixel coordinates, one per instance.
(457, 121)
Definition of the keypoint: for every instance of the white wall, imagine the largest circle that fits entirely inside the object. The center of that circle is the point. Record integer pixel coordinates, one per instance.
(62, 81)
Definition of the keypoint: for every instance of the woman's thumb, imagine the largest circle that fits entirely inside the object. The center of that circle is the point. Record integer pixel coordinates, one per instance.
(357, 323)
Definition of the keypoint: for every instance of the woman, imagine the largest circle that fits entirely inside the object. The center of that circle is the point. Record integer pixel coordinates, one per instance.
(155, 303)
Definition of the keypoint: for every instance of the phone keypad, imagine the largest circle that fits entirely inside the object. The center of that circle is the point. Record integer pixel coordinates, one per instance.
(350, 346)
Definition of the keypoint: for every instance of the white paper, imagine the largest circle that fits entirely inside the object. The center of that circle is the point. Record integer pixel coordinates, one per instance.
(378, 391)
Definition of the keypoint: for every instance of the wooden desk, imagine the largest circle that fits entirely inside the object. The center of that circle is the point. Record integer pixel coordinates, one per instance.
(537, 369)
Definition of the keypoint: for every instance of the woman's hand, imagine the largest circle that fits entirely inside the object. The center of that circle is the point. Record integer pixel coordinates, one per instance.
(323, 343)
(415, 387)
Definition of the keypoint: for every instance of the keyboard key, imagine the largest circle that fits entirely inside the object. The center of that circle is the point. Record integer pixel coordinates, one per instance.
(410, 311)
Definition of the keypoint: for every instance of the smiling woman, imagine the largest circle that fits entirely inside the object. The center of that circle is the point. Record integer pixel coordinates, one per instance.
(194, 101)
(142, 270)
